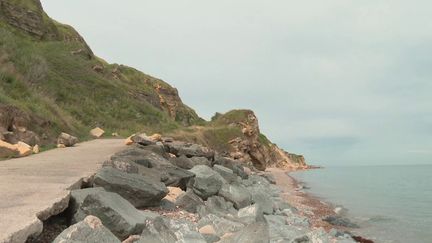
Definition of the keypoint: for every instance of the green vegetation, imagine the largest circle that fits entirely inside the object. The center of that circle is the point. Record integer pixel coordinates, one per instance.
(57, 82)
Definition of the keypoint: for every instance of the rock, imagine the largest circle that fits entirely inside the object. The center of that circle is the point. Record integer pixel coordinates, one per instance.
(207, 230)
(189, 201)
(114, 134)
(115, 212)
(36, 149)
(122, 166)
(189, 150)
(226, 173)
(188, 163)
(61, 146)
(220, 225)
(279, 231)
(98, 68)
(97, 132)
(270, 178)
(236, 167)
(67, 140)
(142, 139)
(261, 197)
(7, 150)
(156, 137)
(218, 206)
(207, 182)
(252, 233)
(237, 194)
(176, 177)
(138, 190)
(337, 220)
(89, 230)
(132, 239)
(250, 214)
(173, 194)
(129, 141)
(163, 230)
(295, 219)
(23, 149)
(211, 238)
(182, 162)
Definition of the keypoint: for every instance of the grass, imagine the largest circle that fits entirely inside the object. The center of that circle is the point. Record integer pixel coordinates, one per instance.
(43, 79)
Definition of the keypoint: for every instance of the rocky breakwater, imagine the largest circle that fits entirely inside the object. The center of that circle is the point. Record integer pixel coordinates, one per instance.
(160, 190)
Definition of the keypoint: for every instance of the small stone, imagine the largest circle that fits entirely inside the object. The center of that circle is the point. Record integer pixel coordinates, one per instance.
(97, 132)
(36, 149)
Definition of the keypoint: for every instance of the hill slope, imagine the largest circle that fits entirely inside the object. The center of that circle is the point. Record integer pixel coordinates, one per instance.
(50, 77)
(50, 82)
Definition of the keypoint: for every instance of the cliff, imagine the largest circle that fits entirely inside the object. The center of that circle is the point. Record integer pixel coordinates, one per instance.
(52, 82)
(237, 134)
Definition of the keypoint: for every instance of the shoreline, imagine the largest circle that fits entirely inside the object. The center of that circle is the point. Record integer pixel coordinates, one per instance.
(308, 205)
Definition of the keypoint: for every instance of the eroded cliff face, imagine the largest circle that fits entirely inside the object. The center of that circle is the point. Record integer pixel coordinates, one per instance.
(257, 149)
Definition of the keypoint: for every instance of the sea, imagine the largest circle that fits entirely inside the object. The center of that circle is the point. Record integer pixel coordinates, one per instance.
(391, 204)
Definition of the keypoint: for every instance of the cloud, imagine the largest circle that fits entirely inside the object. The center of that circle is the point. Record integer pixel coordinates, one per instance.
(341, 81)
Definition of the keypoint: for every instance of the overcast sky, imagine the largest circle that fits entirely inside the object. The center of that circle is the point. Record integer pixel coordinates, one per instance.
(340, 81)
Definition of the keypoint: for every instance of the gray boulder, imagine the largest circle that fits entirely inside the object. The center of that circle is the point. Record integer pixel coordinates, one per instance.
(252, 233)
(221, 225)
(218, 206)
(176, 177)
(122, 166)
(138, 190)
(279, 231)
(163, 230)
(235, 166)
(133, 154)
(89, 230)
(207, 182)
(226, 173)
(261, 197)
(189, 201)
(115, 212)
(189, 150)
(250, 214)
(237, 194)
(142, 139)
(67, 139)
(188, 163)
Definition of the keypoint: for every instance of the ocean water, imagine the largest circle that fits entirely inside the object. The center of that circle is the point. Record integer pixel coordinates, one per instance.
(392, 204)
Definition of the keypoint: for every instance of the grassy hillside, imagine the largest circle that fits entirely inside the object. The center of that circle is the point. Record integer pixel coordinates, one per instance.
(48, 72)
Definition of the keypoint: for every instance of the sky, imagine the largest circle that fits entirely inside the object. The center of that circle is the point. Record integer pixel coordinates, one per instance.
(344, 82)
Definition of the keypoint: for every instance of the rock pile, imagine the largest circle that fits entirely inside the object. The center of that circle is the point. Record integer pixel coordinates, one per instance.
(130, 200)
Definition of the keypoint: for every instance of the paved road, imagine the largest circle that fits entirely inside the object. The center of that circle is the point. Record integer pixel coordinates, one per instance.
(36, 187)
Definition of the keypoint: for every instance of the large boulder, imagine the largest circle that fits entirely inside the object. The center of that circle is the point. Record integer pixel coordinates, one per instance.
(122, 166)
(67, 140)
(237, 194)
(226, 173)
(250, 214)
(143, 139)
(338, 220)
(234, 165)
(252, 233)
(89, 230)
(7, 150)
(164, 230)
(218, 206)
(189, 201)
(221, 225)
(280, 231)
(189, 150)
(188, 163)
(174, 176)
(138, 190)
(115, 212)
(207, 182)
(23, 149)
